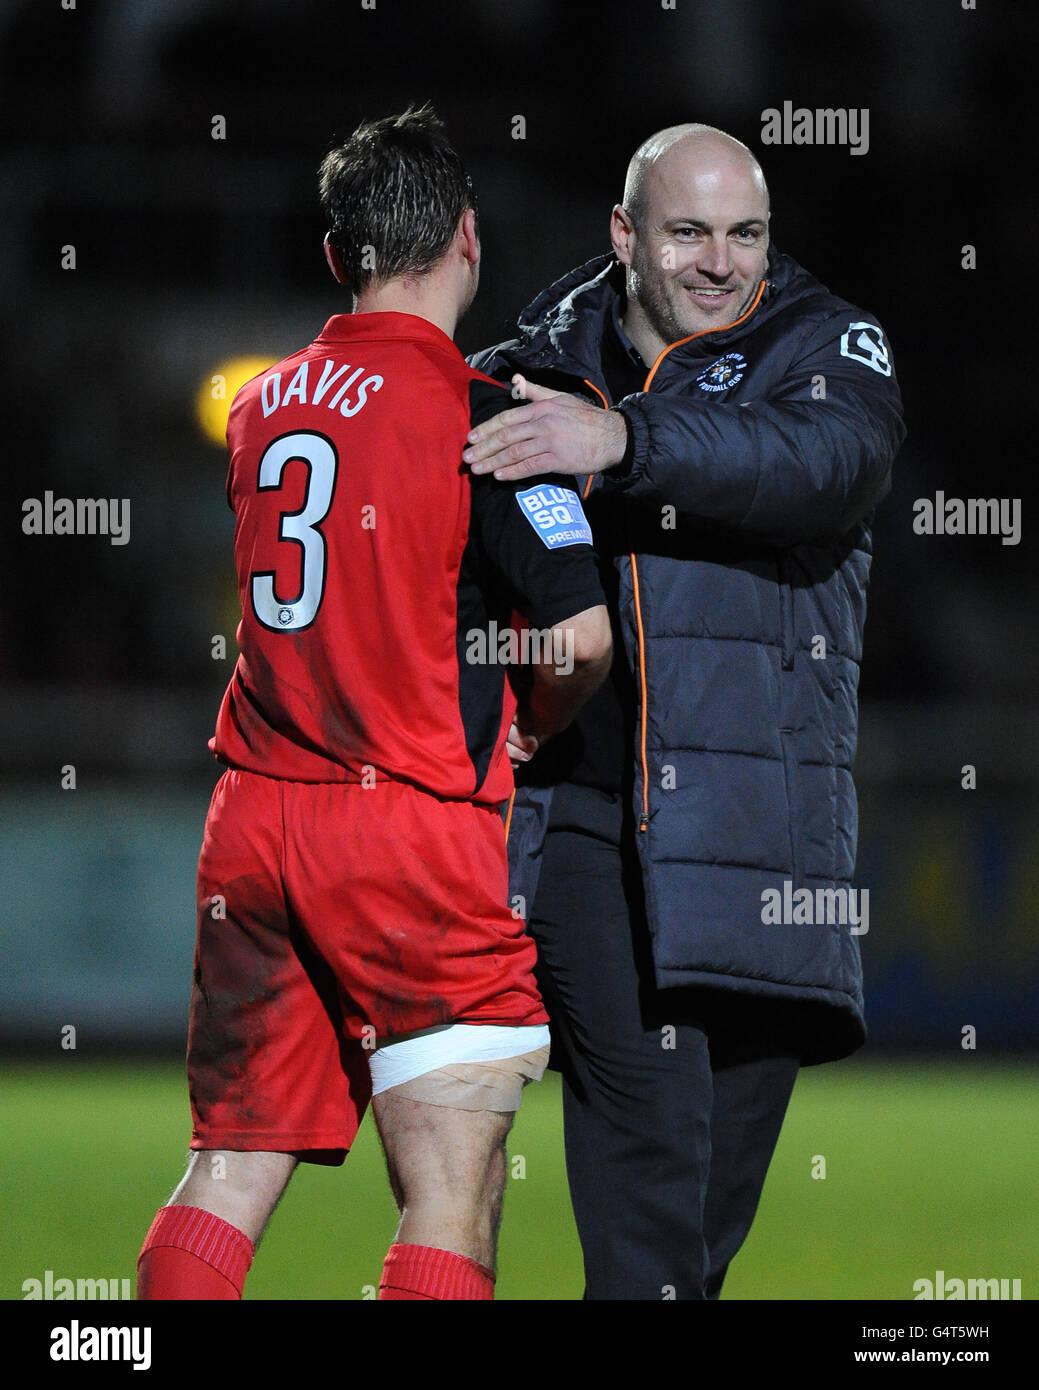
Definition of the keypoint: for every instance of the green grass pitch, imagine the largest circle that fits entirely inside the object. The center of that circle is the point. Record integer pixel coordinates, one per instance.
(927, 1167)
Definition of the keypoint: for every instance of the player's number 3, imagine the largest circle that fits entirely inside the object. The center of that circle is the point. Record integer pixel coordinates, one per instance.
(317, 452)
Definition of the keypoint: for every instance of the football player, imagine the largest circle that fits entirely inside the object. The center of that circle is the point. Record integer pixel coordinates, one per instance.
(355, 938)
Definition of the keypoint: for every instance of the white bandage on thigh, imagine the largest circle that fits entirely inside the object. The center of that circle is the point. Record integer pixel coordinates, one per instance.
(463, 1065)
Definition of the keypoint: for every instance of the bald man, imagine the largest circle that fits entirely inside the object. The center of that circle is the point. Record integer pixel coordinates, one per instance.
(686, 848)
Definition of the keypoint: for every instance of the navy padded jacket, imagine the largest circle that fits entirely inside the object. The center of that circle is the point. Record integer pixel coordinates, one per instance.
(760, 452)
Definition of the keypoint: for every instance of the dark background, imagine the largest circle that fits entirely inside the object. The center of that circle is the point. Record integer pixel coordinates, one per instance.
(191, 250)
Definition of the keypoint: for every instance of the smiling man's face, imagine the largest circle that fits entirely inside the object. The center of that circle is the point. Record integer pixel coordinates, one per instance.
(695, 241)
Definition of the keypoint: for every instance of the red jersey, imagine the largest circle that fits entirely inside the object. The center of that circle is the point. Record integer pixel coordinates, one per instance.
(367, 556)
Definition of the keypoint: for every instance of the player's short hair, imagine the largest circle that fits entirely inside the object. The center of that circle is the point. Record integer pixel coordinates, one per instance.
(393, 194)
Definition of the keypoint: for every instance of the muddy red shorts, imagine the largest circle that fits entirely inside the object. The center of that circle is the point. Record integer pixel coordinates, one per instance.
(331, 918)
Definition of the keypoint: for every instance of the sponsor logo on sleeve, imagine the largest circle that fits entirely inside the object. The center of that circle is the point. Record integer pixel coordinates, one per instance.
(556, 515)
(864, 342)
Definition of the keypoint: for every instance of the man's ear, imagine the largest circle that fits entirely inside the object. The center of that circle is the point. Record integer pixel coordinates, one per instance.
(467, 231)
(622, 234)
(335, 265)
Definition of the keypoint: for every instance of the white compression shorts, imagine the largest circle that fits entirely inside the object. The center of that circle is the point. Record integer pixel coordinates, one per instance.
(441, 1054)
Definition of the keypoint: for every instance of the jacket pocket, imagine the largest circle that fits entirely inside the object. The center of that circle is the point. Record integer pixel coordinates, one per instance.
(792, 778)
(786, 614)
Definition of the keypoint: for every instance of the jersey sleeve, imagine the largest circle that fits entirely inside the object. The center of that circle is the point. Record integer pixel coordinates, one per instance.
(534, 532)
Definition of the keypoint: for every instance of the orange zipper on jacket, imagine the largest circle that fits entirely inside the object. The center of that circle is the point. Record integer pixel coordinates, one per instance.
(644, 817)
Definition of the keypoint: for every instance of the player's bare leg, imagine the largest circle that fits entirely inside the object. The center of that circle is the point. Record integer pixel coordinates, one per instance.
(447, 1172)
(202, 1241)
(241, 1188)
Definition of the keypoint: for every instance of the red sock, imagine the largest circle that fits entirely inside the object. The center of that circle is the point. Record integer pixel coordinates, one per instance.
(423, 1272)
(189, 1253)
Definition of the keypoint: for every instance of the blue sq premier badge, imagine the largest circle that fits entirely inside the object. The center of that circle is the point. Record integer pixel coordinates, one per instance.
(556, 515)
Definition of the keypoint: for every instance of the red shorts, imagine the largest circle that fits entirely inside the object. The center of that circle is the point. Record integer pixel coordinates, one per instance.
(332, 917)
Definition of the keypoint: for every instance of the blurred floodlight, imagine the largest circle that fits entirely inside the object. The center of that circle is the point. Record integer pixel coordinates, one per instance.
(218, 389)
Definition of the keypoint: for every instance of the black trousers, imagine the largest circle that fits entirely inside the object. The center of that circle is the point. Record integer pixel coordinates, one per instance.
(672, 1099)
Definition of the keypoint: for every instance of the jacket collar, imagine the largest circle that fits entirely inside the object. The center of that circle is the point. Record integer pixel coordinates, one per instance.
(562, 328)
